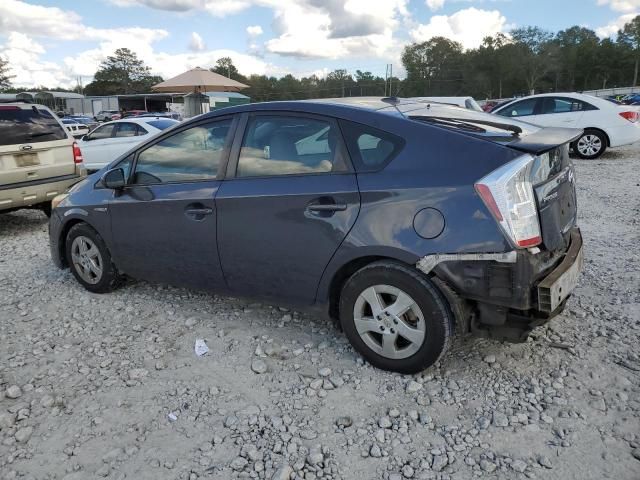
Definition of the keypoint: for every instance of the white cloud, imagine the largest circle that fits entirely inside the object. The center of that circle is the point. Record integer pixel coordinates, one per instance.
(311, 28)
(254, 30)
(612, 28)
(218, 8)
(468, 26)
(196, 44)
(435, 4)
(335, 29)
(624, 6)
(23, 54)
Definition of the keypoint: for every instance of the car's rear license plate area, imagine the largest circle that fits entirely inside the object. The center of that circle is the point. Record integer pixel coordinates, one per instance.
(559, 284)
(27, 160)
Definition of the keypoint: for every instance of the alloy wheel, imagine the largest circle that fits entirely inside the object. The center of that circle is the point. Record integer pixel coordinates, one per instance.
(86, 259)
(589, 145)
(389, 321)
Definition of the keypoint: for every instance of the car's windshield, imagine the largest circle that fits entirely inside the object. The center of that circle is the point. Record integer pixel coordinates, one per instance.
(31, 125)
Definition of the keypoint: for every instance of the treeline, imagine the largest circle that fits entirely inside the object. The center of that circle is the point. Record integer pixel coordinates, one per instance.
(528, 59)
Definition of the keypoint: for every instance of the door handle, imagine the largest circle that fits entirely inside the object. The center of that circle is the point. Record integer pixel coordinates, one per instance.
(327, 207)
(199, 211)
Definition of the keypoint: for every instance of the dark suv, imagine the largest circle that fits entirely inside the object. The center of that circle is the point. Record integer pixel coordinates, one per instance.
(404, 221)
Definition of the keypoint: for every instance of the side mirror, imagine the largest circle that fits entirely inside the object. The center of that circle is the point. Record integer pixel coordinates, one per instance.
(514, 113)
(85, 138)
(114, 179)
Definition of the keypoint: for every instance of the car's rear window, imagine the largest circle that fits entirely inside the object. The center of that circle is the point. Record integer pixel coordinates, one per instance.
(370, 149)
(32, 125)
(162, 124)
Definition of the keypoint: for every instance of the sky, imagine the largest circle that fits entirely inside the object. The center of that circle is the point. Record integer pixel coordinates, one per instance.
(58, 43)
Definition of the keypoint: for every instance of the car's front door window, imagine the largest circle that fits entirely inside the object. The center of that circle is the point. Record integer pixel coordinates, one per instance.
(277, 145)
(519, 109)
(188, 155)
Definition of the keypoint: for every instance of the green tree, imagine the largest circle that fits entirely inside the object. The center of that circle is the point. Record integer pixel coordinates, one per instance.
(630, 37)
(433, 67)
(536, 54)
(5, 78)
(122, 73)
(224, 66)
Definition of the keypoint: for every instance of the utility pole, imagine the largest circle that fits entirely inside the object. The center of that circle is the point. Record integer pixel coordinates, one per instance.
(386, 78)
(390, 79)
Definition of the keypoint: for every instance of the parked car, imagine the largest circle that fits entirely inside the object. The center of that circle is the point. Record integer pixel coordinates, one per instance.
(107, 115)
(38, 157)
(174, 115)
(85, 120)
(605, 124)
(402, 221)
(112, 139)
(464, 102)
(133, 113)
(75, 128)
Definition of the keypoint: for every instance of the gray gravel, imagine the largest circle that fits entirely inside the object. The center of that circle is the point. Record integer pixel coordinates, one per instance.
(95, 386)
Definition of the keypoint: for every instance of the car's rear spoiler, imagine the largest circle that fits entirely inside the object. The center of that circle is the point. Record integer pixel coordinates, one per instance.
(545, 139)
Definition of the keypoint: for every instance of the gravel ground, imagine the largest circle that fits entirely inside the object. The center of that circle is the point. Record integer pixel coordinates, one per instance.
(109, 386)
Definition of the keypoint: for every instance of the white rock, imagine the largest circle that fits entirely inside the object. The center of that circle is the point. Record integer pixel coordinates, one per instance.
(14, 392)
(24, 434)
(413, 387)
(258, 366)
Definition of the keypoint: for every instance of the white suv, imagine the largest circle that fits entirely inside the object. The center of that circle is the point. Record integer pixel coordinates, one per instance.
(38, 157)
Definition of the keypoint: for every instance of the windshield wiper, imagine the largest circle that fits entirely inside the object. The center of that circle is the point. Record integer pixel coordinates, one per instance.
(451, 122)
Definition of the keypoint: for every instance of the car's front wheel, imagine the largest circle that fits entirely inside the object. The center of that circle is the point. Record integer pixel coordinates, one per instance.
(395, 317)
(89, 259)
(590, 145)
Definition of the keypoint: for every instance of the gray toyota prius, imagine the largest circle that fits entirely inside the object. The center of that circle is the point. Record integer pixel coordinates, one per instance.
(404, 221)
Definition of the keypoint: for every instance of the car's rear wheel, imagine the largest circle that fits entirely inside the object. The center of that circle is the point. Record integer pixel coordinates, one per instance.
(590, 145)
(395, 317)
(89, 259)
(46, 208)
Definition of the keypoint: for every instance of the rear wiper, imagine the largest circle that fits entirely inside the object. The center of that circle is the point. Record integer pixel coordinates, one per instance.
(451, 122)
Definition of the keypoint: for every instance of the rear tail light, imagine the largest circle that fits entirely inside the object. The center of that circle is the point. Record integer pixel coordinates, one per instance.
(77, 154)
(508, 194)
(631, 116)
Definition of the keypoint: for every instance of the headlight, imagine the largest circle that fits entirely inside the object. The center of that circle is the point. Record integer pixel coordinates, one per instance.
(58, 199)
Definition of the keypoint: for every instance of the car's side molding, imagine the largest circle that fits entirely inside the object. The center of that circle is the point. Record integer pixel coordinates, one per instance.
(429, 262)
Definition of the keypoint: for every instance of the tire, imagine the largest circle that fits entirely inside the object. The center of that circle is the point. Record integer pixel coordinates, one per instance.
(85, 246)
(46, 209)
(429, 322)
(590, 145)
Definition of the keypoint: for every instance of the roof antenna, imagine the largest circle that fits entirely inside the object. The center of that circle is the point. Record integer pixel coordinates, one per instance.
(394, 102)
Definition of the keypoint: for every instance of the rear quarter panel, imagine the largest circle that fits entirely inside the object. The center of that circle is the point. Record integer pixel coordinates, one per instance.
(436, 169)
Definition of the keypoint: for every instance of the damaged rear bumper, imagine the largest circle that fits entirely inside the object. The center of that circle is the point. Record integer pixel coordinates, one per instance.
(510, 293)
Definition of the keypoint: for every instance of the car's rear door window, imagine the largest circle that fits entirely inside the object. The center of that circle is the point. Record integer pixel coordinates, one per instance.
(105, 131)
(290, 145)
(162, 124)
(188, 155)
(370, 149)
(126, 129)
(28, 125)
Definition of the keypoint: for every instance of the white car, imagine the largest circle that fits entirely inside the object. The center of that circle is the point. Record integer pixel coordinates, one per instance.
(110, 140)
(605, 123)
(74, 127)
(464, 102)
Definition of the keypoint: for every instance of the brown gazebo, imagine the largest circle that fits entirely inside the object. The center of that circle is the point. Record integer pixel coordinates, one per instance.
(199, 80)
